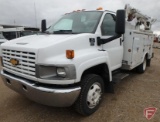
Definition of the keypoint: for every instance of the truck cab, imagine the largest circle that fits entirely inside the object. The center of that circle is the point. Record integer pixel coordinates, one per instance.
(73, 62)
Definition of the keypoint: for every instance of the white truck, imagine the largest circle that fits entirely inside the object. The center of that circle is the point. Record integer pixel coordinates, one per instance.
(78, 58)
(16, 32)
(2, 39)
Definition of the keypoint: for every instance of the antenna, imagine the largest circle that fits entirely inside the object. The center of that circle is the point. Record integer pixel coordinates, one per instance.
(35, 14)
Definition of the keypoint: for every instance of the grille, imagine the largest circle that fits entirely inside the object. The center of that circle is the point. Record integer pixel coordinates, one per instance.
(26, 61)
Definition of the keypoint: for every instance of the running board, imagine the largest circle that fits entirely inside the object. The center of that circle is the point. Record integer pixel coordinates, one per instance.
(119, 76)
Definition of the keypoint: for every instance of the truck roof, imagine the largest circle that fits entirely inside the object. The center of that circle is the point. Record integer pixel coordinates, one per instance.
(103, 11)
(94, 10)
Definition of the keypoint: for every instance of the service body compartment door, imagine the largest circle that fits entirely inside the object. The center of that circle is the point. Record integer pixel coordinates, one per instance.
(138, 49)
(136, 45)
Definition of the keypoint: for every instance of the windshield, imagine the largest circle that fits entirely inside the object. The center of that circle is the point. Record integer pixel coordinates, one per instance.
(1, 36)
(77, 22)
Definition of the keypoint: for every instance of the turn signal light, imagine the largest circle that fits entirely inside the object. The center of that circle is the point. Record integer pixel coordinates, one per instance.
(70, 54)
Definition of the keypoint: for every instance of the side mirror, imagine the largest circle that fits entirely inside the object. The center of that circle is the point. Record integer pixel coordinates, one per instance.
(120, 22)
(43, 25)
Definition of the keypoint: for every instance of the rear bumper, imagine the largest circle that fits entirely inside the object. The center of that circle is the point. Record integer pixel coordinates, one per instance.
(59, 97)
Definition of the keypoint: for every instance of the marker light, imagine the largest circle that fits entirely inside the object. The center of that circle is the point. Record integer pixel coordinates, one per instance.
(100, 8)
(70, 54)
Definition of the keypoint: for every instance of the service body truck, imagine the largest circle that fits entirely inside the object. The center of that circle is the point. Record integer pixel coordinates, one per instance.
(75, 61)
(2, 39)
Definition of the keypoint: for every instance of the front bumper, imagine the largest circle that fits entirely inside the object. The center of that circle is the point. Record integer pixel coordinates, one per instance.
(59, 97)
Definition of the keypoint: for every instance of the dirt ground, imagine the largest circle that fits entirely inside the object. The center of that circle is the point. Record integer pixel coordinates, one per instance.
(132, 96)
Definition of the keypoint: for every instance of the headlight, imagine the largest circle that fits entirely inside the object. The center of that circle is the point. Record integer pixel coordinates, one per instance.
(46, 72)
(61, 72)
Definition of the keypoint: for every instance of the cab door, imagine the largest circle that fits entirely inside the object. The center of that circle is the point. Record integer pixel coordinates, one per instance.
(113, 48)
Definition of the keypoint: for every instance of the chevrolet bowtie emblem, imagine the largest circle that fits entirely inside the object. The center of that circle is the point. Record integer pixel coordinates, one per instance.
(14, 62)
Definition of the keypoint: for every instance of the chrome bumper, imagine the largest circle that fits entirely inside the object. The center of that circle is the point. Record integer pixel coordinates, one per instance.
(59, 97)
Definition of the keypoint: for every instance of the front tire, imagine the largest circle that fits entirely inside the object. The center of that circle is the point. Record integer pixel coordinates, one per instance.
(92, 89)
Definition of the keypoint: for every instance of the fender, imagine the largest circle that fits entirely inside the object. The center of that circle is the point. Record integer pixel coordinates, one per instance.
(91, 63)
(146, 53)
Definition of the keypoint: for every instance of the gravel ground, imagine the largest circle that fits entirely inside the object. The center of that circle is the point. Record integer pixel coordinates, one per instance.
(132, 95)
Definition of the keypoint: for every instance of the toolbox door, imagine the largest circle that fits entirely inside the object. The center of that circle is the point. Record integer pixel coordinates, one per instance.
(138, 46)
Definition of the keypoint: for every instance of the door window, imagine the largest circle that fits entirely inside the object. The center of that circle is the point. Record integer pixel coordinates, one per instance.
(108, 25)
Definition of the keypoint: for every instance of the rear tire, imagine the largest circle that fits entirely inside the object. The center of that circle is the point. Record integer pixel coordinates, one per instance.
(142, 67)
(92, 89)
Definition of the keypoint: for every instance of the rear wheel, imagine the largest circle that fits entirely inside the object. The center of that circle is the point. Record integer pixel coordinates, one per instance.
(142, 67)
(92, 89)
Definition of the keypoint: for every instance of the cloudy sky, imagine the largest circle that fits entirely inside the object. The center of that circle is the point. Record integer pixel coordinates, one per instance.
(22, 12)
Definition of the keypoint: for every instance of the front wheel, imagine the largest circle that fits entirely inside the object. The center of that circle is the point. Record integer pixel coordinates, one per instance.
(92, 89)
(142, 67)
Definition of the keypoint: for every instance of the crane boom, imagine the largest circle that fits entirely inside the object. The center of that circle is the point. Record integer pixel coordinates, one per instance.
(132, 13)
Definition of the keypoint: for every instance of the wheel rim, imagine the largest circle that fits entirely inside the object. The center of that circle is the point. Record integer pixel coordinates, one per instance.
(94, 95)
(144, 65)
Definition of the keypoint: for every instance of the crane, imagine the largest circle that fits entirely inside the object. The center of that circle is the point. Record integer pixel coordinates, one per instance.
(132, 13)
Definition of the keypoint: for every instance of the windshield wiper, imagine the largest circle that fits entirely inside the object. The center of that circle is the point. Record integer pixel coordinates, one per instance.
(63, 32)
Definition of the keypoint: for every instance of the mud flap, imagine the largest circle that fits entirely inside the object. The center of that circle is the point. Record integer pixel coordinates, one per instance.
(110, 87)
(148, 62)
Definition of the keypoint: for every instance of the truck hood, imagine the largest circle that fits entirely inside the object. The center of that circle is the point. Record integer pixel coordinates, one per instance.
(36, 41)
(51, 48)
